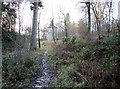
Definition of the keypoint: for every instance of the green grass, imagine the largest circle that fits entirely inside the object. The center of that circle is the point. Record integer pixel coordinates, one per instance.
(62, 72)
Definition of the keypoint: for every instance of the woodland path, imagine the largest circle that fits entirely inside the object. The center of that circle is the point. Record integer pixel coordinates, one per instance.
(46, 73)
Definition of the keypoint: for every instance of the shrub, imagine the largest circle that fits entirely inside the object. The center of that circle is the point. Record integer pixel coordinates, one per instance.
(62, 72)
(74, 43)
(18, 75)
(113, 39)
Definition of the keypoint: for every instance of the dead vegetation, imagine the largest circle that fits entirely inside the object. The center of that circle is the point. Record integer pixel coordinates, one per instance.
(97, 65)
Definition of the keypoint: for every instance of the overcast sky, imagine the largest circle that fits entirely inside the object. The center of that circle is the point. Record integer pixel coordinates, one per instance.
(52, 9)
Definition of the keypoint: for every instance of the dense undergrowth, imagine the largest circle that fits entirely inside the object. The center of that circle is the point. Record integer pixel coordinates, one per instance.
(17, 74)
(19, 65)
(80, 64)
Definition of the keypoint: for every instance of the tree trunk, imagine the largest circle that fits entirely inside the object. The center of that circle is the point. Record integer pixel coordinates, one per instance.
(34, 27)
(89, 21)
(53, 31)
(89, 17)
(0, 46)
(66, 33)
(39, 30)
(98, 28)
(19, 18)
(39, 35)
(110, 7)
(0, 16)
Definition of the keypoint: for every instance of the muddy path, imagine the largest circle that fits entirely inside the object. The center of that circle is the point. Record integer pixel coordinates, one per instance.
(46, 74)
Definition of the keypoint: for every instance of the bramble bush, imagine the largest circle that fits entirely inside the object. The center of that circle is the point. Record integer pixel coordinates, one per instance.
(18, 75)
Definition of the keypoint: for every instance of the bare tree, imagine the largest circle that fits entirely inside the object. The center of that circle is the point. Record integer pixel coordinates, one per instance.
(88, 5)
(44, 33)
(109, 4)
(19, 17)
(53, 33)
(98, 14)
(82, 29)
(67, 23)
(60, 31)
(34, 27)
(65, 18)
(0, 46)
(89, 19)
(39, 29)
(35, 7)
(0, 15)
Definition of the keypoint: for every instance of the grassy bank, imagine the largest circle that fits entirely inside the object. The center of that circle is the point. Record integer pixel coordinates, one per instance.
(17, 74)
(80, 64)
